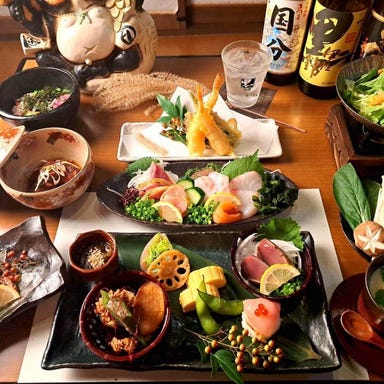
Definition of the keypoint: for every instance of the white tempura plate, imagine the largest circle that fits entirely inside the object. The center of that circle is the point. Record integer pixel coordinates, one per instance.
(143, 139)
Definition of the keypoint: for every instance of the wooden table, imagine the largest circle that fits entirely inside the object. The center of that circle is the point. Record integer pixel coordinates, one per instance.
(307, 157)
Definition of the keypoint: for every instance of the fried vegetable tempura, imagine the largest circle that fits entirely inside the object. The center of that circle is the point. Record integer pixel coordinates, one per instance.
(204, 125)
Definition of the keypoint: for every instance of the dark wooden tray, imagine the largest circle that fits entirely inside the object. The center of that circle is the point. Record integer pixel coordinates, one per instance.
(341, 135)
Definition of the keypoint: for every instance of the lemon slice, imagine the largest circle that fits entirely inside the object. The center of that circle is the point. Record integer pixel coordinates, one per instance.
(275, 276)
(219, 197)
(168, 211)
(7, 295)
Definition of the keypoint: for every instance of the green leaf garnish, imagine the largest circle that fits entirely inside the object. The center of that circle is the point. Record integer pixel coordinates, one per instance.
(295, 343)
(350, 196)
(120, 311)
(140, 165)
(282, 229)
(242, 165)
(224, 359)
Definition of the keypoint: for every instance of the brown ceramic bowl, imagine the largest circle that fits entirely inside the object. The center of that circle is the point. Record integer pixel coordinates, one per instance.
(290, 301)
(18, 174)
(100, 247)
(37, 78)
(367, 305)
(94, 333)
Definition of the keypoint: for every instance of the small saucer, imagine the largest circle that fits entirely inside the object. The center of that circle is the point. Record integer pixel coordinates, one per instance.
(345, 297)
(9, 139)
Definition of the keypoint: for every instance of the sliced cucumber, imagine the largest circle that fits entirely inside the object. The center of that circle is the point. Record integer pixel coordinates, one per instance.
(195, 195)
(186, 183)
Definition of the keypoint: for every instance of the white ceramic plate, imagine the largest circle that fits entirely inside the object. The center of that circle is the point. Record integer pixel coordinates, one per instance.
(138, 140)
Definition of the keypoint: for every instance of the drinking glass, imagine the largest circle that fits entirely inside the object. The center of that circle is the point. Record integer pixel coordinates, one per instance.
(245, 63)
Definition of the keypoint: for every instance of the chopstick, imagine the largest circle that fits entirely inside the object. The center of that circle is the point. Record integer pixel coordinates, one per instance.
(260, 115)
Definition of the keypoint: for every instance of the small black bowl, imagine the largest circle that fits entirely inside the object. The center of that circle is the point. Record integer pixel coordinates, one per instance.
(35, 79)
(353, 71)
(289, 302)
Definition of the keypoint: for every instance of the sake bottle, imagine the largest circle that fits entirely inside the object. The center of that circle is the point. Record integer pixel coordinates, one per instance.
(332, 37)
(284, 30)
(372, 38)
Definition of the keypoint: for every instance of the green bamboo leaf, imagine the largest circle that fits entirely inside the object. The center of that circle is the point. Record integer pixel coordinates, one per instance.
(167, 105)
(165, 119)
(295, 343)
(226, 363)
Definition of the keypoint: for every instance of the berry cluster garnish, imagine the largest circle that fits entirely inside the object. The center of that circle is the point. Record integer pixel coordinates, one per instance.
(235, 349)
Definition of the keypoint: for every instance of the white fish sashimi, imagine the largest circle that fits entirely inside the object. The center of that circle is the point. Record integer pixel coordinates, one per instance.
(245, 186)
(247, 207)
(247, 181)
(212, 183)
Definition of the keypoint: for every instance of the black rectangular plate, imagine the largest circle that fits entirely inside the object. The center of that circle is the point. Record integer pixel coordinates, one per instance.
(65, 348)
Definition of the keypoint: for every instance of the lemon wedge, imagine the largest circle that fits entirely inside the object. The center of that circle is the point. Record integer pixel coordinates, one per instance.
(275, 276)
(168, 211)
(7, 295)
(219, 197)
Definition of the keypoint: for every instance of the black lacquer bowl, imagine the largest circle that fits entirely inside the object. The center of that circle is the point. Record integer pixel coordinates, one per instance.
(33, 79)
(108, 195)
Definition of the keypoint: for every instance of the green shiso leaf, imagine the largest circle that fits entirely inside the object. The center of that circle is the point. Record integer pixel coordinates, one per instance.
(242, 165)
(140, 165)
(282, 229)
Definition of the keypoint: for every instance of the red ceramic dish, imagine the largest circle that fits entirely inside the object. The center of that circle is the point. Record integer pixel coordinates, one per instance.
(79, 247)
(93, 332)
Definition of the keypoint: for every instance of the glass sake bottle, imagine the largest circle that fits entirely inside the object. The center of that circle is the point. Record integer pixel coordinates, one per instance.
(372, 38)
(331, 40)
(284, 31)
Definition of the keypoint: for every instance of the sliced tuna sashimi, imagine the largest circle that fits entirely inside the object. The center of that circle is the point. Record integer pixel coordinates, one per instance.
(252, 268)
(156, 171)
(271, 253)
(261, 317)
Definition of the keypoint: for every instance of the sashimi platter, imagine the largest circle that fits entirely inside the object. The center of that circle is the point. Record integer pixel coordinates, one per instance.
(199, 194)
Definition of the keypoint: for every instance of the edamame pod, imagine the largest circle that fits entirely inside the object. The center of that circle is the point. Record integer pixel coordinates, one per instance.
(220, 305)
(208, 323)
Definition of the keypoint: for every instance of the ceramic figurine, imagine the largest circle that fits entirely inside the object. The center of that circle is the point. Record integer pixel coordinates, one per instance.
(91, 38)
